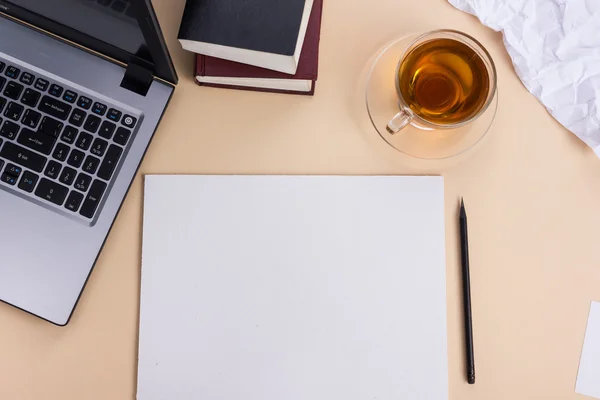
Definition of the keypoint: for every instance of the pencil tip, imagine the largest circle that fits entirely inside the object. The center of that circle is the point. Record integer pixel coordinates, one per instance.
(462, 202)
(471, 375)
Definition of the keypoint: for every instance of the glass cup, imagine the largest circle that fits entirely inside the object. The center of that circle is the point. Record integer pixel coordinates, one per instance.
(410, 111)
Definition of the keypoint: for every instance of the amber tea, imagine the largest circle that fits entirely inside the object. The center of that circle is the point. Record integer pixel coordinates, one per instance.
(443, 81)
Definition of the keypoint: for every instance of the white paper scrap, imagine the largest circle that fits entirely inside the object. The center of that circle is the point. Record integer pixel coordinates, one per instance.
(588, 378)
(555, 49)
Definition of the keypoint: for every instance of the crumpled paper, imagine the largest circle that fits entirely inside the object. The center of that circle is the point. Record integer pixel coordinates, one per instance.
(555, 49)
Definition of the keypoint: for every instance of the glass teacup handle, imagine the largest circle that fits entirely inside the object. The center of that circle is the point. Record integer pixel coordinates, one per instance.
(399, 121)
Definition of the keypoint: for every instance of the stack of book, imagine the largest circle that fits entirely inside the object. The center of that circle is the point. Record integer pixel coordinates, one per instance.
(262, 45)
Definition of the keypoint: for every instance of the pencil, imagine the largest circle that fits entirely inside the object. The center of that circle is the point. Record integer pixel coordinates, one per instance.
(464, 247)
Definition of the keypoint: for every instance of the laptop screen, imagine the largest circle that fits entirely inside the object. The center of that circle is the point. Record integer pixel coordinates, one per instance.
(111, 21)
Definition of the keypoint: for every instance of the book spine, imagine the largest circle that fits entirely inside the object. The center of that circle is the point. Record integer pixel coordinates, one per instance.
(200, 69)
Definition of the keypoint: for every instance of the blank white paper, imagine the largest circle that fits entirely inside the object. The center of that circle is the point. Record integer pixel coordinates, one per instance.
(588, 378)
(293, 288)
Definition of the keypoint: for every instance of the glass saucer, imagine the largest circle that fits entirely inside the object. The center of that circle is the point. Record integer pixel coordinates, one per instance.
(382, 105)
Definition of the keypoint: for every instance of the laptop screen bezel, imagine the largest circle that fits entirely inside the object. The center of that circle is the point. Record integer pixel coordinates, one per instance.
(162, 65)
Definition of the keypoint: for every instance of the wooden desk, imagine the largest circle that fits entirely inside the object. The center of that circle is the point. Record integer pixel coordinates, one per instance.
(532, 190)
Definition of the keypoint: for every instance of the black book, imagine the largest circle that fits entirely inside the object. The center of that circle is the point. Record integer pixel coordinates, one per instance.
(264, 33)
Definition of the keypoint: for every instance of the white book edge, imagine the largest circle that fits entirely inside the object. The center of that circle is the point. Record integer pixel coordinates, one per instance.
(293, 85)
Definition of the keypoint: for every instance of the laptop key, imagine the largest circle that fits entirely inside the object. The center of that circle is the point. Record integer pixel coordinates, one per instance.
(30, 97)
(54, 107)
(129, 121)
(2, 65)
(84, 102)
(41, 84)
(9, 130)
(74, 201)
(99, 108)
(13, 170)
(114, 115)
(12, 72)
(70, 96)
(2, 103)
(2, 82)
(61, 152)
(99, 147)
(36, 141)
(77, 117)
(31, 118)
(84, 141)
(23, 157)
(51, 191)
(92, 200)
(90, 165)
(106, 129)
(122, 136)
(110, 162)
(55, 90)
(27, 78)
(14, 111)
(6, 178)
(13, 90)
(76, 158)
(82, 182)
(51, 127)
(68, 176)
(69, 134)
(28, 181)
(91, 123)
(52, 169)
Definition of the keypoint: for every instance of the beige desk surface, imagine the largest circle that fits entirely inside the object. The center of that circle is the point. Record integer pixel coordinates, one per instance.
(532, 191)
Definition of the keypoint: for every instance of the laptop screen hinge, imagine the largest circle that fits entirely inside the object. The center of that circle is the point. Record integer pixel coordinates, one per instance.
(137, 79)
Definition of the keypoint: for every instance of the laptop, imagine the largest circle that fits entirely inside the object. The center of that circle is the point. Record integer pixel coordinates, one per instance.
(83, 86)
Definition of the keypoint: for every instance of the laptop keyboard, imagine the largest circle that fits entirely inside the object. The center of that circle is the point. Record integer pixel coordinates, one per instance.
(58, 147)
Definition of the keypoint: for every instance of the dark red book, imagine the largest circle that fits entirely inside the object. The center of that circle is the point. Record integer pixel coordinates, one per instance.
(216, 72)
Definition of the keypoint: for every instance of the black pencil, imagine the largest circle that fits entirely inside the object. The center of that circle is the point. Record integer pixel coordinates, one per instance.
(464, 257)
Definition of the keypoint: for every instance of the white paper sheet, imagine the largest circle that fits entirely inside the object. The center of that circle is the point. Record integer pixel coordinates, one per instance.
(293, 288)
(588, 378)
(555, 49)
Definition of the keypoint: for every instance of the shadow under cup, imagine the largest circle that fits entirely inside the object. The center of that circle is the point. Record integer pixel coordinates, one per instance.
(445, 79)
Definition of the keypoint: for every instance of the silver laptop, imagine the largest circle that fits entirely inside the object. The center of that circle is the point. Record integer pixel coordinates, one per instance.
(83, 86)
